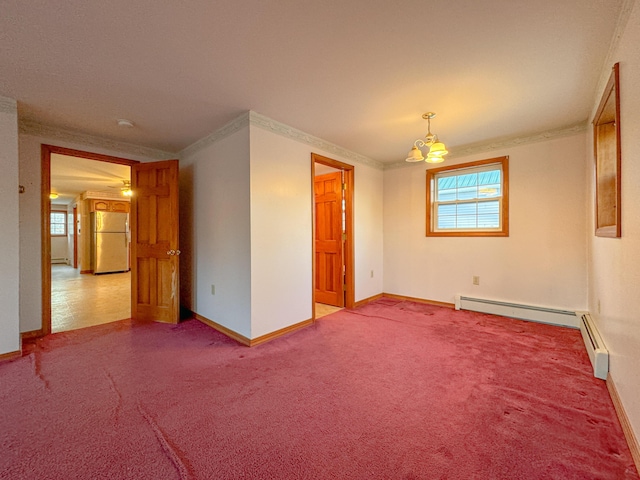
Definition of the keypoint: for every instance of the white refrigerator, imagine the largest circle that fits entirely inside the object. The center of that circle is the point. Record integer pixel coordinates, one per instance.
(109, 242)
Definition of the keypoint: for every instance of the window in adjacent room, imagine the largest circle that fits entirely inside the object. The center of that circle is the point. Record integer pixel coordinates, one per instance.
(58, 224)
(470, 199)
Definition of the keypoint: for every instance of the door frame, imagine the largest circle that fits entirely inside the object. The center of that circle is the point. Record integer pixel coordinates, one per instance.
(45, 219)
(75, 236)
(349, 300)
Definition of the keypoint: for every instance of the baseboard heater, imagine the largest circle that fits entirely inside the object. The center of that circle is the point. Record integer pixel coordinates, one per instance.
(532, 313)
(59, 260)
(598, 353)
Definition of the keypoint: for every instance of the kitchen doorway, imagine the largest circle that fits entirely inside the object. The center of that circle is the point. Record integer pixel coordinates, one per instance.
(80, 297)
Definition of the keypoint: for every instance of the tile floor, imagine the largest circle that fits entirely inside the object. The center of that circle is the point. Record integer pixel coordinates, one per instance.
(323, 310)
(79, 301)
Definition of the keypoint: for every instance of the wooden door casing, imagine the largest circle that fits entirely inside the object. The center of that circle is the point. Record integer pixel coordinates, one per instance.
(154, 242)
(329, 280)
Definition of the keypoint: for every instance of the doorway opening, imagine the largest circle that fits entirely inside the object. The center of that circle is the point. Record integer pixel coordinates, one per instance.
(75, 293)
(333, 277)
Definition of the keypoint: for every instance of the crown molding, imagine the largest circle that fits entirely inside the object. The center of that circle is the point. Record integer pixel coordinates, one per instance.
(229, 128)
(255, 119)
(274, 126)
(30, 127)
(471, 149)
(8, 105)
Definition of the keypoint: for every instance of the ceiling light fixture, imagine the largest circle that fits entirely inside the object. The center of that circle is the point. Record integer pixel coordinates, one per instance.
(53, 195)
(123, 122)
(437, 150)
(126, 190)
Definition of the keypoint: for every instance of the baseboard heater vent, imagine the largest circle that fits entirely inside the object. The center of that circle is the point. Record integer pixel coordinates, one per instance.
(532, 313)
(598, 353)
(59, 260)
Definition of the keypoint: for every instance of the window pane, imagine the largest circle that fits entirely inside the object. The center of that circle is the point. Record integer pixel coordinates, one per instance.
(467, 193)
(446, 195)
(466, 208)
(485, 208)
(467, 180)
(489, 221)
(488, 191)
(446, 222)
(447, 209)
(466, 221)
(445, 183)
(57, 217)
(489, 178)
(446, 216)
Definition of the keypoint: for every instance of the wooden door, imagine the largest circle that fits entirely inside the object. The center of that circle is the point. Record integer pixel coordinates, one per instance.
(329, 281)
(154, 242)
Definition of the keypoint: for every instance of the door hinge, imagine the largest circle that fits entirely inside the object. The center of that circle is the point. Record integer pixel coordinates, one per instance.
(344, 287)
(344, 186)
(344, 237)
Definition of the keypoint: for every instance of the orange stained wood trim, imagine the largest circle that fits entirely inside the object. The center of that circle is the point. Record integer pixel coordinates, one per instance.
(249, 342)
(45, 214)
(86, 271)
(420, 300)
(5, 357)
(45, 220)
(613, 87)
(504, 232)
(349, 243)
(364, 301)
(280, 333)
(75, 237)
(632, 441)
(31, 334)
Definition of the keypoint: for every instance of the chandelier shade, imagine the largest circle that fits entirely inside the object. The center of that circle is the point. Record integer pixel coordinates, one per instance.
(437, 149)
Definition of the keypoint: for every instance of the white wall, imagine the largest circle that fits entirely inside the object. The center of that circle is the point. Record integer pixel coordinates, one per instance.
(542, 262)
(614, 263)
(250, 200)
(215, 232)
(9, 235)
(282, 230)
(30, 217)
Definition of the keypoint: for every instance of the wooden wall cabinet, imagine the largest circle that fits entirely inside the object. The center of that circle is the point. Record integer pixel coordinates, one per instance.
(109, 206)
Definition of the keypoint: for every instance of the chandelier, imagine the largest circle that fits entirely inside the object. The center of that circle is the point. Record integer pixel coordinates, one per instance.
(436, 151)
(126, 190)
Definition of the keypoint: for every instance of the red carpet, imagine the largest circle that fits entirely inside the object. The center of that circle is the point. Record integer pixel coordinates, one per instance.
(393, 390)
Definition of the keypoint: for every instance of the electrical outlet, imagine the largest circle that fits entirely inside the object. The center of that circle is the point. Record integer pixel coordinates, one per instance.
(213, 289)
(371, 273)
(476, 280)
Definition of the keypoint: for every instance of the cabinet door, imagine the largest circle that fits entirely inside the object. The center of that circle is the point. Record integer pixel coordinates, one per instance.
(117, 206)
(100, 206)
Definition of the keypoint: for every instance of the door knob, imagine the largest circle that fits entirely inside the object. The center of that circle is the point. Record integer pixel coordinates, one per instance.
(171, 252)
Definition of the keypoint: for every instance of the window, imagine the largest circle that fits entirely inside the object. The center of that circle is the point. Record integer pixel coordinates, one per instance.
(58, 224)
(470, 199)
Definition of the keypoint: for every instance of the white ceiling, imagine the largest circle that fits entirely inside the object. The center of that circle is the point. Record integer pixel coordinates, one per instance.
(70, 176)
(356, 73)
